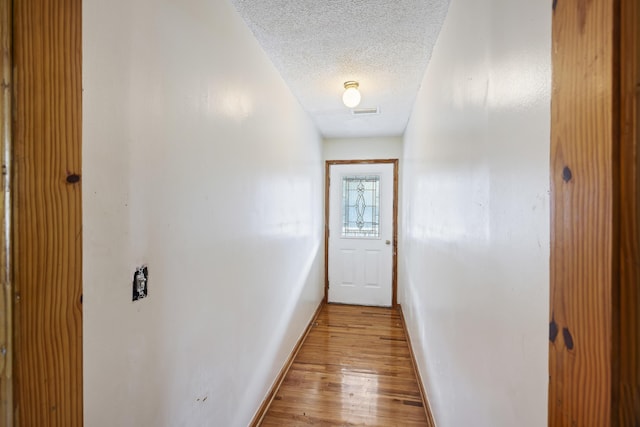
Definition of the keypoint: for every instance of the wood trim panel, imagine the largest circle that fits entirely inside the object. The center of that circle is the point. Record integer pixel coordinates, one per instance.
(594, 323)
(582, 210)
(423, 393)
(264, 407)
(47, 212)
(627, 412)
(394, 271)
(6, 291)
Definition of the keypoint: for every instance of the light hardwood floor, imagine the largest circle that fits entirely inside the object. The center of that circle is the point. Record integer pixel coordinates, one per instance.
(354, 368)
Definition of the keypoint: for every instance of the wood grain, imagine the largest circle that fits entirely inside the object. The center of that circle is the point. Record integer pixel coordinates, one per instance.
(394, 267)
(47, 215)
(582, 206)
(627, 411)
(354, 368)
(593, 353)
(6, 291)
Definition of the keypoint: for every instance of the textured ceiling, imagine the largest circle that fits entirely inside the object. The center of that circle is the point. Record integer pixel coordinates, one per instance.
(318, 45)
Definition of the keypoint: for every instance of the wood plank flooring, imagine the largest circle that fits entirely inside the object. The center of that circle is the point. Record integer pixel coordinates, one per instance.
(354, 368)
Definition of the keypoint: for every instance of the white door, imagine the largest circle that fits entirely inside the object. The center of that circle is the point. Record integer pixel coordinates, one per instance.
(361, 233)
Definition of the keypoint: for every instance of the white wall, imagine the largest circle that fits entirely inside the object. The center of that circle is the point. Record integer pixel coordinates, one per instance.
(388, 147)
(475, 268)
(200, 163)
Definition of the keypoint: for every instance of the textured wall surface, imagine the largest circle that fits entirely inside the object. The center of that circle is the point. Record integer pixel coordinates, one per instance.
(200, 163)
(474, 276)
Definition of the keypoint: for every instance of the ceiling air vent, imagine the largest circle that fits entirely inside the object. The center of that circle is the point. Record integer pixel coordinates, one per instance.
(365, 111)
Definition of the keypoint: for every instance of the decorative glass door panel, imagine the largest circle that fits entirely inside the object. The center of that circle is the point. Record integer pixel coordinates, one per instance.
(360, 206)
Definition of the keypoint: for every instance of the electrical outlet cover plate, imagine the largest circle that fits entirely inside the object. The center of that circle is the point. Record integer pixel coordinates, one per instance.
(140, 283)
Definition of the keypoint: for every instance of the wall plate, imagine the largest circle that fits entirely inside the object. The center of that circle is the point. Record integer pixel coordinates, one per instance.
(140, 283)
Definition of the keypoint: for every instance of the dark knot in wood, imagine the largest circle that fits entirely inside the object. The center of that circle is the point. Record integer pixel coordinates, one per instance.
(568, 339)
(553, 330)
(73, 178)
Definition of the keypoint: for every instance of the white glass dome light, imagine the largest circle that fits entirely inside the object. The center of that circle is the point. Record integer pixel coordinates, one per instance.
(351, 96)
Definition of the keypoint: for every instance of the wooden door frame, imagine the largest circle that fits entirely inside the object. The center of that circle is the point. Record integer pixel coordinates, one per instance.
(45, 211)
(594, 319)
(626, 369)
(6, 290)
(394, 265)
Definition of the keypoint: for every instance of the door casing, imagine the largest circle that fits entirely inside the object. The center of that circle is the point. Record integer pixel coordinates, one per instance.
(6, 289)
(394, 240)
(594, 320)
(46, 213)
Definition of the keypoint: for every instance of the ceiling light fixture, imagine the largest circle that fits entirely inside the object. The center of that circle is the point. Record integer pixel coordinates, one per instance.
(351, 96)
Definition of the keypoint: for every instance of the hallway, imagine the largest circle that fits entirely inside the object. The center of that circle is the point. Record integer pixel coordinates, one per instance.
(176, 146)
(354, 368)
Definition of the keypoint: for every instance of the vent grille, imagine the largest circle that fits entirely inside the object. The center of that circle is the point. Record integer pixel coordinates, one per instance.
(365, 111)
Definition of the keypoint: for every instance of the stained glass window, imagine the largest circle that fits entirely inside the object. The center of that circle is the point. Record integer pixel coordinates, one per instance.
(361, 206)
